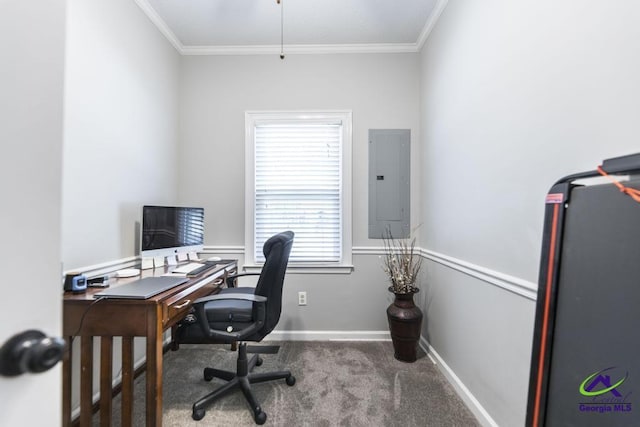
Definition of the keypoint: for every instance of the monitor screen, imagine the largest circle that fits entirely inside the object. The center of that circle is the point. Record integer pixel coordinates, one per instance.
(167, 230)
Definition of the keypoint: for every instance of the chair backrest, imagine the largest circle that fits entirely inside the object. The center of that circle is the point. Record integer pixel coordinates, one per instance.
(276, 252)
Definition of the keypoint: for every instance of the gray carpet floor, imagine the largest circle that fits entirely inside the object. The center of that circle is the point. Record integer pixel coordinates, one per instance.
(338, 384)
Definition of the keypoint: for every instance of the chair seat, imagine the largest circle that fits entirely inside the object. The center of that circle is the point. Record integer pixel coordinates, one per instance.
(230, 311)
(221, 315)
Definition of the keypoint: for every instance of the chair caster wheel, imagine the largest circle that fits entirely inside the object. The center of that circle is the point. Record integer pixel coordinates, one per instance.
(291, 380)
(260, 418)
(208, 374)
(197, 414)
(259, 361)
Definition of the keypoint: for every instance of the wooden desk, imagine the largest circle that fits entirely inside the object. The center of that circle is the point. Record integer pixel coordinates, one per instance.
(85, 318)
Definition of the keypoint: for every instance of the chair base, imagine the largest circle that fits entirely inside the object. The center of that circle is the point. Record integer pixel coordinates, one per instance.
(242, 379)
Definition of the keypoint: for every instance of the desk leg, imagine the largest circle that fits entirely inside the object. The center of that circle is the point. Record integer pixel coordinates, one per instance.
(86, 380)
(127, 381)
(154, 368)
(66, 384)
(106, 369)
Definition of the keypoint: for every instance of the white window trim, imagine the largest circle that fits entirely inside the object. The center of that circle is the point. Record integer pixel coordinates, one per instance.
(345, 116)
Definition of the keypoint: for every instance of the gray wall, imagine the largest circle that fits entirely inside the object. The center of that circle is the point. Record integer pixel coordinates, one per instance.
(121, 136)
(31, 117)
(380, 89)
(514, 96)
(121, 128)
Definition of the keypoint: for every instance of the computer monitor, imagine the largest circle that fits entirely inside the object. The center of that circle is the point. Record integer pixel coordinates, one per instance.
(168, 230)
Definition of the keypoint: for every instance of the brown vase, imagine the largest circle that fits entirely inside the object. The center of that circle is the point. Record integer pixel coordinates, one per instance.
(405, 324)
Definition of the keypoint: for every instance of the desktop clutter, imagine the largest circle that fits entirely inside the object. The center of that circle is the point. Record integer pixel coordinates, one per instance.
(75, 282)
(78, 282)
(183, 265)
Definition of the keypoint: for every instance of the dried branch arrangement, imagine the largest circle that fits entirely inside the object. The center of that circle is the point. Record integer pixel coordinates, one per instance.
(401, 263)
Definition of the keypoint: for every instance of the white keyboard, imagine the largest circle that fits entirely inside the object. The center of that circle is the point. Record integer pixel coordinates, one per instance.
(187, 268)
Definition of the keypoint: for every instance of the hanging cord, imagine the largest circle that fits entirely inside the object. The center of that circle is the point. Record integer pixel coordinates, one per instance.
(281, 3)
(86, 310)
(631, 192)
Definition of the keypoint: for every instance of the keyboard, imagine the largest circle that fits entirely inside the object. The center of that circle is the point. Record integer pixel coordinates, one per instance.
(188, 268)
(193, 268)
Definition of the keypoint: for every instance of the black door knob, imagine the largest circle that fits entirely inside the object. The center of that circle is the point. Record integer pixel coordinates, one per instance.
(30, 351)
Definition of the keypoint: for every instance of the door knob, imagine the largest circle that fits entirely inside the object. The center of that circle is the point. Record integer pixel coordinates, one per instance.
(30, 351)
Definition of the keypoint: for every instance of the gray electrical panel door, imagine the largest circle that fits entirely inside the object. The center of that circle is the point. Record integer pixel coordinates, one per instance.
(389, 172)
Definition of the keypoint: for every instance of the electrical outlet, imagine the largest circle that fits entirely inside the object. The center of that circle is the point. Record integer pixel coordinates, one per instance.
(302, 298)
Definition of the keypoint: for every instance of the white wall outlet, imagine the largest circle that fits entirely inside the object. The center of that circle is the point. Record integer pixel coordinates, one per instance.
(302, 298)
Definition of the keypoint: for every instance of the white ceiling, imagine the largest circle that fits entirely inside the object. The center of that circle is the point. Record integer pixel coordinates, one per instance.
(310, 26)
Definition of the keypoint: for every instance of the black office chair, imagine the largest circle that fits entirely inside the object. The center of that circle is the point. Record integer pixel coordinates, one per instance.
(236, 315)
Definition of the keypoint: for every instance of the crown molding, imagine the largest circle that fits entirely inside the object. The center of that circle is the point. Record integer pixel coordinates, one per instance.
(311, 49)
(160, 24)
(299, 49)
(431, 22)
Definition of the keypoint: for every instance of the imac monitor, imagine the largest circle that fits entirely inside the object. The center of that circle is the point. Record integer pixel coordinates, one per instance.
(167, 230)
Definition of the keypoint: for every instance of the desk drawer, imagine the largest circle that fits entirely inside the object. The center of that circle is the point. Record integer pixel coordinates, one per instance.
(175, 308)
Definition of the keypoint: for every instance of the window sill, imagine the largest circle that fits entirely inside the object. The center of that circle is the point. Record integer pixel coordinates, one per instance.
(306, 269)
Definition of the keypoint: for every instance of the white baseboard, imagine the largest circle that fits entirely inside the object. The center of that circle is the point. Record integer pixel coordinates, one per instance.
(329, 336)
(463, 392)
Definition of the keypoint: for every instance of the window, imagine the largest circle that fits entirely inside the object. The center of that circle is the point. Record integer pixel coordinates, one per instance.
(298, 177)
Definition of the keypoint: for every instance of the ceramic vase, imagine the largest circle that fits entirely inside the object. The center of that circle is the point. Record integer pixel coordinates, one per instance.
(405, 324)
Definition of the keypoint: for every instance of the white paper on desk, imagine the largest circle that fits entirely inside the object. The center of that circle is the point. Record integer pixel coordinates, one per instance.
(171, 260)
(183, 256)
(158, 261)
(146, 264)
(193, 256)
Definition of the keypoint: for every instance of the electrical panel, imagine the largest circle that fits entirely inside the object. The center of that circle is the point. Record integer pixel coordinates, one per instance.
(389, 175)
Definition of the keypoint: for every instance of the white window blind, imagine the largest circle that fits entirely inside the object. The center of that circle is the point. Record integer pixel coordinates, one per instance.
(298, 187)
